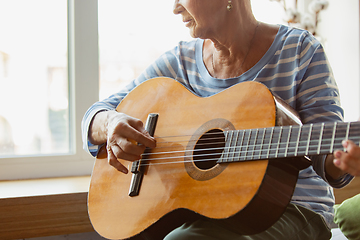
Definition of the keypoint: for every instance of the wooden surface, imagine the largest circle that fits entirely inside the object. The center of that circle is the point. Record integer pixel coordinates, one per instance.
(39, 216)
(44, 207)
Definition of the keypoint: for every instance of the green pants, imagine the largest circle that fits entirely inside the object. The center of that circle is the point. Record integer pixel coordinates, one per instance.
(297, 223)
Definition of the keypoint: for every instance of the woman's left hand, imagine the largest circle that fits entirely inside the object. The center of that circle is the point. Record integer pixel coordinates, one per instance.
(348, 161)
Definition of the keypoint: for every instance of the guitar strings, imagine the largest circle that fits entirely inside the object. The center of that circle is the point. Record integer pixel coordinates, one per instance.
(275, 134)
(237, 153)
(254, 150)
(233, 147)
(326, 137)
(182, 141)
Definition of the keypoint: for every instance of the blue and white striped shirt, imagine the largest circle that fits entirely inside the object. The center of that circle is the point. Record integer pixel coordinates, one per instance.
(295, 68)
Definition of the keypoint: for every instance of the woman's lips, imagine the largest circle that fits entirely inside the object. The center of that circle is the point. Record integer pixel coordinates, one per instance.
(188, 22)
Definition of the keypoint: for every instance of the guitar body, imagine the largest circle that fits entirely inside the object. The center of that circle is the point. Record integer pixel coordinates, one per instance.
(247, 197)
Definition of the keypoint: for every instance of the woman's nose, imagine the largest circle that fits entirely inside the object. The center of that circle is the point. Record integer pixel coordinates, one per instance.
(177, 9)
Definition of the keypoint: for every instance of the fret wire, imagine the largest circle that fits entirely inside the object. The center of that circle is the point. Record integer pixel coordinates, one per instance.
(308, 141)
(236, 141)
(277, 147)
(354, 132)
(262, 143)
(347, 133)
(327, 134)
(241, 143)
(303, 140)
(340, 134)
(288, 139)
(232, 152)
(226, 150)
(320, 138)
(333, 136)
(293, 140)
(256, 134)
(247, 145)
(271, 134)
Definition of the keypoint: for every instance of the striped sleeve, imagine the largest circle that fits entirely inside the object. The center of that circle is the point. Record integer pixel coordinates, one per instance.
(166, 65)
(317, 95)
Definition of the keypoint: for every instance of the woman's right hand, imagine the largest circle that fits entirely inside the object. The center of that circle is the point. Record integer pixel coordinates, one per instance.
(122, 134)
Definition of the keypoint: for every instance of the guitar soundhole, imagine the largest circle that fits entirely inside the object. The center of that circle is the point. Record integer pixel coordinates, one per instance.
(208, 149)
(202, 154)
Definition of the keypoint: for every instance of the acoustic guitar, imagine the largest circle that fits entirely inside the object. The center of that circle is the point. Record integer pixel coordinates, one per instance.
(233, 157)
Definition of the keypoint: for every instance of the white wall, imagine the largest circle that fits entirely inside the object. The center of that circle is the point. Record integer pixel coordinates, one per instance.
(339, 32)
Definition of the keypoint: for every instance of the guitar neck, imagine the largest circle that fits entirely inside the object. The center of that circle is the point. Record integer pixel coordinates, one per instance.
(288, 141)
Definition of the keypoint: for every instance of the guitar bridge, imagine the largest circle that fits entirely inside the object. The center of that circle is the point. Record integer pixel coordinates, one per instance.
(138, 167)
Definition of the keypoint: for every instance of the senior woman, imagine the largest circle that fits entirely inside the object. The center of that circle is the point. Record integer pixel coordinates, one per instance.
(230, 47)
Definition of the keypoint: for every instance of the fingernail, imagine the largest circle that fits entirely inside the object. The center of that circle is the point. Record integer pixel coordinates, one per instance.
(336, 162)
(345, 143)
(337, 154)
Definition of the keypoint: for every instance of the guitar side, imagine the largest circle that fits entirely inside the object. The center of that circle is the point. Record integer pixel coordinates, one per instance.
(236, 194)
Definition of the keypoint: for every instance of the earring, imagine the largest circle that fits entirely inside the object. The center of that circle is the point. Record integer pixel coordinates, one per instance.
(229, 6)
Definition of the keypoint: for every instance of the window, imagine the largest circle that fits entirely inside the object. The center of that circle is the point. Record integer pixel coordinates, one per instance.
(43, 72)
(127, 49)
(33, 76)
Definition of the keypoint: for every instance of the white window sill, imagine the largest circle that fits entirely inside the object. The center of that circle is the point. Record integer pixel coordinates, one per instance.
(41, 187)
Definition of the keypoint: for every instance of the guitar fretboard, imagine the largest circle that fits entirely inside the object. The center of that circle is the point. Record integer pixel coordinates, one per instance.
(288, 141)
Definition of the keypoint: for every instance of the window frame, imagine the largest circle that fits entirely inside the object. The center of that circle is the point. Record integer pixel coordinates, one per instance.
(83, 77)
